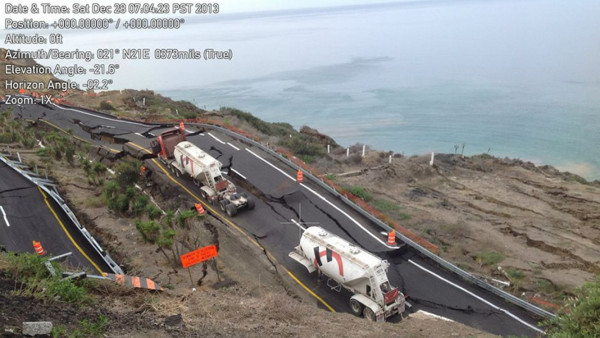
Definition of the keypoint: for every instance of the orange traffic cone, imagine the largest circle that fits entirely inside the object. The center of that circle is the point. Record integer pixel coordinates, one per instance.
(37, 246)
(300, 176)
(200, 209)
(392, 237)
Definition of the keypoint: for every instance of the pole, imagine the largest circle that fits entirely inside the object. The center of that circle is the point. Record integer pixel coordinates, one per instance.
(432, 156)
(347, 152)
(328, 148)
(363, 153)
(216, 269)
(191, 280)
(390, 160)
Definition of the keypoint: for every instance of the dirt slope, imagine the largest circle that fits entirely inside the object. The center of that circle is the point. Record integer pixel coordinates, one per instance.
(541, 226)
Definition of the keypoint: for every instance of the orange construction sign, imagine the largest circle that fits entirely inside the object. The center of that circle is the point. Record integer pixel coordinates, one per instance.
(199, 255)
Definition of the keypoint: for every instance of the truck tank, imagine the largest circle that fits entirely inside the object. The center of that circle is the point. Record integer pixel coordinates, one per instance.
(353, 268)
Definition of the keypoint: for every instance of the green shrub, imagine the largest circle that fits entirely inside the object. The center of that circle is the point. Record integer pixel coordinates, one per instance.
(29, 269)
(391, 208)
(182, 217)
(149, 230)
(307, 159)
(360, 192)
(127, 172)
(153, 212)
(122, 203)
(489, 258)
(331, 177)
(139, 205)
(25, 266)
(43, 152)
(580, 316)
(302, 145)
(515, 273)
(104, 105)
(6, 137)
(68, 291)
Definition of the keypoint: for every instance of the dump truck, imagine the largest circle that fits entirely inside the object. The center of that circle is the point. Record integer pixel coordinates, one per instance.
(347, 265)
(185, 159)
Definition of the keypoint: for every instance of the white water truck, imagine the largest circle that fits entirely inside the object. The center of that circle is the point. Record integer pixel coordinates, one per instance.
(184, 158)
(353, 268)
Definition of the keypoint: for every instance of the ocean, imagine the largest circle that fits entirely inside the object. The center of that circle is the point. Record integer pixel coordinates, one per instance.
(512, 78)
(518, 79)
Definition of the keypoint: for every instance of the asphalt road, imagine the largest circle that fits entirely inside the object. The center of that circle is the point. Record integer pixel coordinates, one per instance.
(28, 214)
(280, 200)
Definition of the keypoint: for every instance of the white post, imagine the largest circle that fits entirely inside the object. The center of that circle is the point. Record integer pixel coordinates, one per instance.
(19, 156)
(177, 112)
(328, 148)
(390, 160)
(432, 156)
(143, 101)
(363, 153)
(347, 152)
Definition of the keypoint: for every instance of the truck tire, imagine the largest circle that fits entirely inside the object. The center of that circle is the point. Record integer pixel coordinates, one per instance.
(223, 204)
(369, 314)
(231, 210)
(250, 205)
(177, 172)
(356, 307)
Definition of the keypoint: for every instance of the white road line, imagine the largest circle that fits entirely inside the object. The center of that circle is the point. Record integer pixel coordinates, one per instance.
(349, 217)
(476, 296)
(298, 224)
(429, 314)
(269, 163)
(232, 146)
(98, 116)
(139, 134)
(213, 136)
(237, 172)
(202, 134)
(4, 214)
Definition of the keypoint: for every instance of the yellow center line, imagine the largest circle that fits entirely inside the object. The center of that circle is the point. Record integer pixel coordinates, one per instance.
(67, 232)
(227, 221)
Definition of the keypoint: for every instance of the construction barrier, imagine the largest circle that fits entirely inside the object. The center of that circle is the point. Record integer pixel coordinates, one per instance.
(392, 237)
(134, 281)
(39, 250)
(200, 209)
(300, 176)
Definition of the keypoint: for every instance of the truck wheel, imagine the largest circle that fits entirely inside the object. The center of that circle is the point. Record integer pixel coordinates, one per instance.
(223, 204)
(369, 314)
(231, 210)
(203, 195)
(177, 173)
(250, 204)
(356, 307)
